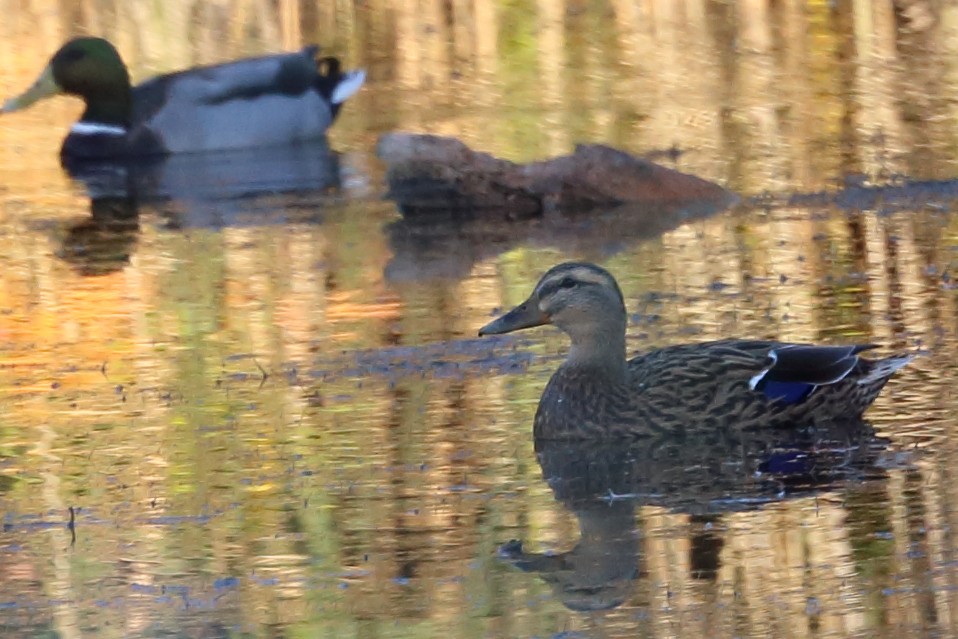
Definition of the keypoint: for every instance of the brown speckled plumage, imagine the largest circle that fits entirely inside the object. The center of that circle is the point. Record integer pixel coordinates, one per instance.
(597, 394)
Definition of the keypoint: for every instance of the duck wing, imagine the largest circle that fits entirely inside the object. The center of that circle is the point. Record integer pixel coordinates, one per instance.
(284, 73)
(817, 365)
(268, 100)
(785, 372)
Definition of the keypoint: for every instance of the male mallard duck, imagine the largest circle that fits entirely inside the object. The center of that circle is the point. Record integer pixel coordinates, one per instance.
(270, 100)
(741, 384)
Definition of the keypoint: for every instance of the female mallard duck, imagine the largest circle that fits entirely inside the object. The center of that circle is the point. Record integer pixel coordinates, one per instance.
(742, 384)
(270, 100)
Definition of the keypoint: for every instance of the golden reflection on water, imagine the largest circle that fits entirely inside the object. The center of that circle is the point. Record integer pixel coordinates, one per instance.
(266, 434)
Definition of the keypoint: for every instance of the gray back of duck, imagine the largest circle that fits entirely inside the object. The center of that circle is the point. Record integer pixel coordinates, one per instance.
(240, 104)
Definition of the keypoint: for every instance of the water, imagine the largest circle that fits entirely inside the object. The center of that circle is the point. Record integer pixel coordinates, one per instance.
(271, 415)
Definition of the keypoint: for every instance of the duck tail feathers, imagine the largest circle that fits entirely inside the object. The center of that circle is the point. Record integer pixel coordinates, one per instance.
(882, 369)
(349, 83)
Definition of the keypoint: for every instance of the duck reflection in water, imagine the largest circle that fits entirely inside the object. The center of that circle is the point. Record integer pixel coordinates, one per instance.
(604, 483)
(220, 189)
(104, 242)
(247, 187)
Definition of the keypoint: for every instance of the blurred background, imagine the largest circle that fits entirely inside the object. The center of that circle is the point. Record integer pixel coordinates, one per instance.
(281, 424)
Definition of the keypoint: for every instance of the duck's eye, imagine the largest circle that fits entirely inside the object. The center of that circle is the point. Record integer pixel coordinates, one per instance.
(567, 282)
(74, 55)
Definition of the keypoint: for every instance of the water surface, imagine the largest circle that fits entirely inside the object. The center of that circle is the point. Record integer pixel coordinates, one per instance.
(271, 416)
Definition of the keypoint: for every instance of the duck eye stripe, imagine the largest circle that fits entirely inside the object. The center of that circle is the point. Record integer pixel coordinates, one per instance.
(553, 286)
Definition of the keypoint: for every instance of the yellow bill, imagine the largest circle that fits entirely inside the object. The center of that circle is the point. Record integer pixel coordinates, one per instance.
(44, 87)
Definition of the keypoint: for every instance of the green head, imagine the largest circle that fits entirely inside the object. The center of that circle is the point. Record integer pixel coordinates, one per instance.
(89, 68)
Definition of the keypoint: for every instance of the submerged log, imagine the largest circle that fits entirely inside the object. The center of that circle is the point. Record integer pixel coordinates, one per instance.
(430, 175)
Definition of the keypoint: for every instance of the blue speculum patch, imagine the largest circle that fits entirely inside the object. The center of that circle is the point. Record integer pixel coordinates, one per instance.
(791, 462)
(787, 392)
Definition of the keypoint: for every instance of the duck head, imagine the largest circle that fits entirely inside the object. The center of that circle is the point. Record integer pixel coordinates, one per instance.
(89, 68)
(581, 299)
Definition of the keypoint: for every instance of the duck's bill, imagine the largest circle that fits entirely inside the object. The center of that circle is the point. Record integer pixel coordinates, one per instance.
(44, 87)
(526, 315)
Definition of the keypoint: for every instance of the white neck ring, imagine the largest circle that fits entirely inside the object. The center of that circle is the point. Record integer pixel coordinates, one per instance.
(96, 128)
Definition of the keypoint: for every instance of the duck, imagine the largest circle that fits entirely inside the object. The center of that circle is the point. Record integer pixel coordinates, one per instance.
(719, 386)
(277, 99)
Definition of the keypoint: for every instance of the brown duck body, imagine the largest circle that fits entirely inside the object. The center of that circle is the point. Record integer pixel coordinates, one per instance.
(695, 387)
(722, 386)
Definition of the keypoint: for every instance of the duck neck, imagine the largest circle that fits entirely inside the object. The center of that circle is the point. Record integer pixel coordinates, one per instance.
(111, 110)
(603, 351)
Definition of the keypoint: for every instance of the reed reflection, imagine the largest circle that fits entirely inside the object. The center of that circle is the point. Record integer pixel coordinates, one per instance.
(604, 484)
